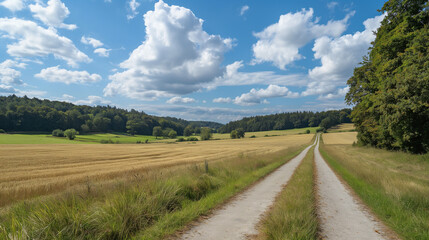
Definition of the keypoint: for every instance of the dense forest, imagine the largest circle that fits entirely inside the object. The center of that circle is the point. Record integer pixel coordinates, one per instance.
(32, 114)
(390, 90)
(290, 120)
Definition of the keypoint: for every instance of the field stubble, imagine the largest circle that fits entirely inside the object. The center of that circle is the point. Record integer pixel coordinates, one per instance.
(27, 171)
(345, 138)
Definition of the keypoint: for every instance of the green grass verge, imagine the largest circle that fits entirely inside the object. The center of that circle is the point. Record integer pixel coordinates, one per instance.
(383, 181)
(293, 215)
(151, 207)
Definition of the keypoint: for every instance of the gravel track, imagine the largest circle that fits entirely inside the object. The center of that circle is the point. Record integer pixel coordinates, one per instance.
(341, 216)
(239, 218)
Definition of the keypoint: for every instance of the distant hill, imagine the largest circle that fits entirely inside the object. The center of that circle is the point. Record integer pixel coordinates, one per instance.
(33, 114)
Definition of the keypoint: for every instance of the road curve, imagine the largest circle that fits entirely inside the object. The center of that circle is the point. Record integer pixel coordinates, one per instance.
(341, 216)
(239, 218)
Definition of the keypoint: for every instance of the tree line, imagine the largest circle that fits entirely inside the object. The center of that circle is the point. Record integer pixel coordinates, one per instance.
(283, 121)
(390, 90)
(22, 114)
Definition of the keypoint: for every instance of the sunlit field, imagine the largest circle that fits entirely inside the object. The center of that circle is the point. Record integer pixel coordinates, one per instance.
(113, 138)
(268, 133)
(346, 138)
(39, 169)
(88, 139)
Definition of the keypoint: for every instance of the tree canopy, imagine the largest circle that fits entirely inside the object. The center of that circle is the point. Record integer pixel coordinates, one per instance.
(19, 114)
(390, 90)
(283, 121)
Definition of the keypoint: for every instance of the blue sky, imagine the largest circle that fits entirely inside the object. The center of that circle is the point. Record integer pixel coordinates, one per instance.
(197, 60)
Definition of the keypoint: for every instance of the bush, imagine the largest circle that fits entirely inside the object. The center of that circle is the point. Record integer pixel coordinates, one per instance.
(192, 139)
(253, 136)
(233, 134)
(172, 134)
(180, 139)
(2, 131)
(58, 133)
(206, 133)
(321, 129)
(307, 131)
(240, 133)
(70, 133)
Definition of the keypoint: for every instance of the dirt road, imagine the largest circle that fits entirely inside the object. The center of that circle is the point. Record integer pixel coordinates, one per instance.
(239, 218)
(341, 216)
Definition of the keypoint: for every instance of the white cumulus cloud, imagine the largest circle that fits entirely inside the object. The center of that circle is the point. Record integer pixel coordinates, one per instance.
(53, 14)
(176, 58)
(233, 77)
(102, 52)
(91, 41)
(13, 5)
(9, 74)
(133, 5)
(56, 74)
(33, 40)
(175, 100)
(338, 57)
(244, 9)
(280, 43)
(259, 96)
(222, 100)
(93, 101)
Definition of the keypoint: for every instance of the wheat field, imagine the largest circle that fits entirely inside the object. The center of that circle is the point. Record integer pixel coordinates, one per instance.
(32, 170)
(340, 138)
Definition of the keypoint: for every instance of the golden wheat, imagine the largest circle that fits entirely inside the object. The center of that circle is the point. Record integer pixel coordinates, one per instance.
(32, 170)
(340, 138)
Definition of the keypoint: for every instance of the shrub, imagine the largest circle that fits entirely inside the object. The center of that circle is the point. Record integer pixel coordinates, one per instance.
(192, 139)
(240, 133)
(147, 140)
(70, 133)
(104, 141)
(307, 131)
(233, 134)
(2, 131)
(138, 142)
(58, 133)
(206, 133)
(253, 136)
(180, 139)
(321, 129)
(172, 134)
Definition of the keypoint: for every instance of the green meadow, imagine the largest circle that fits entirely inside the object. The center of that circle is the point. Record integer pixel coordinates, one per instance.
(47, 138)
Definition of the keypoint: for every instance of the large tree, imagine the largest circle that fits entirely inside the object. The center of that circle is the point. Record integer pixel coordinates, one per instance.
(390, 91)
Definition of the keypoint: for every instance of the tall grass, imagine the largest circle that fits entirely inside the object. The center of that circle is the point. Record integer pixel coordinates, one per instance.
(394, 185)
(293, 216)
(151, 206)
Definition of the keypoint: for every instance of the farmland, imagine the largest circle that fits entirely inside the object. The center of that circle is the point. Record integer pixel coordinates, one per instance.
(158, 187)
(346, 138)
(29, 138)
(39, 169)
